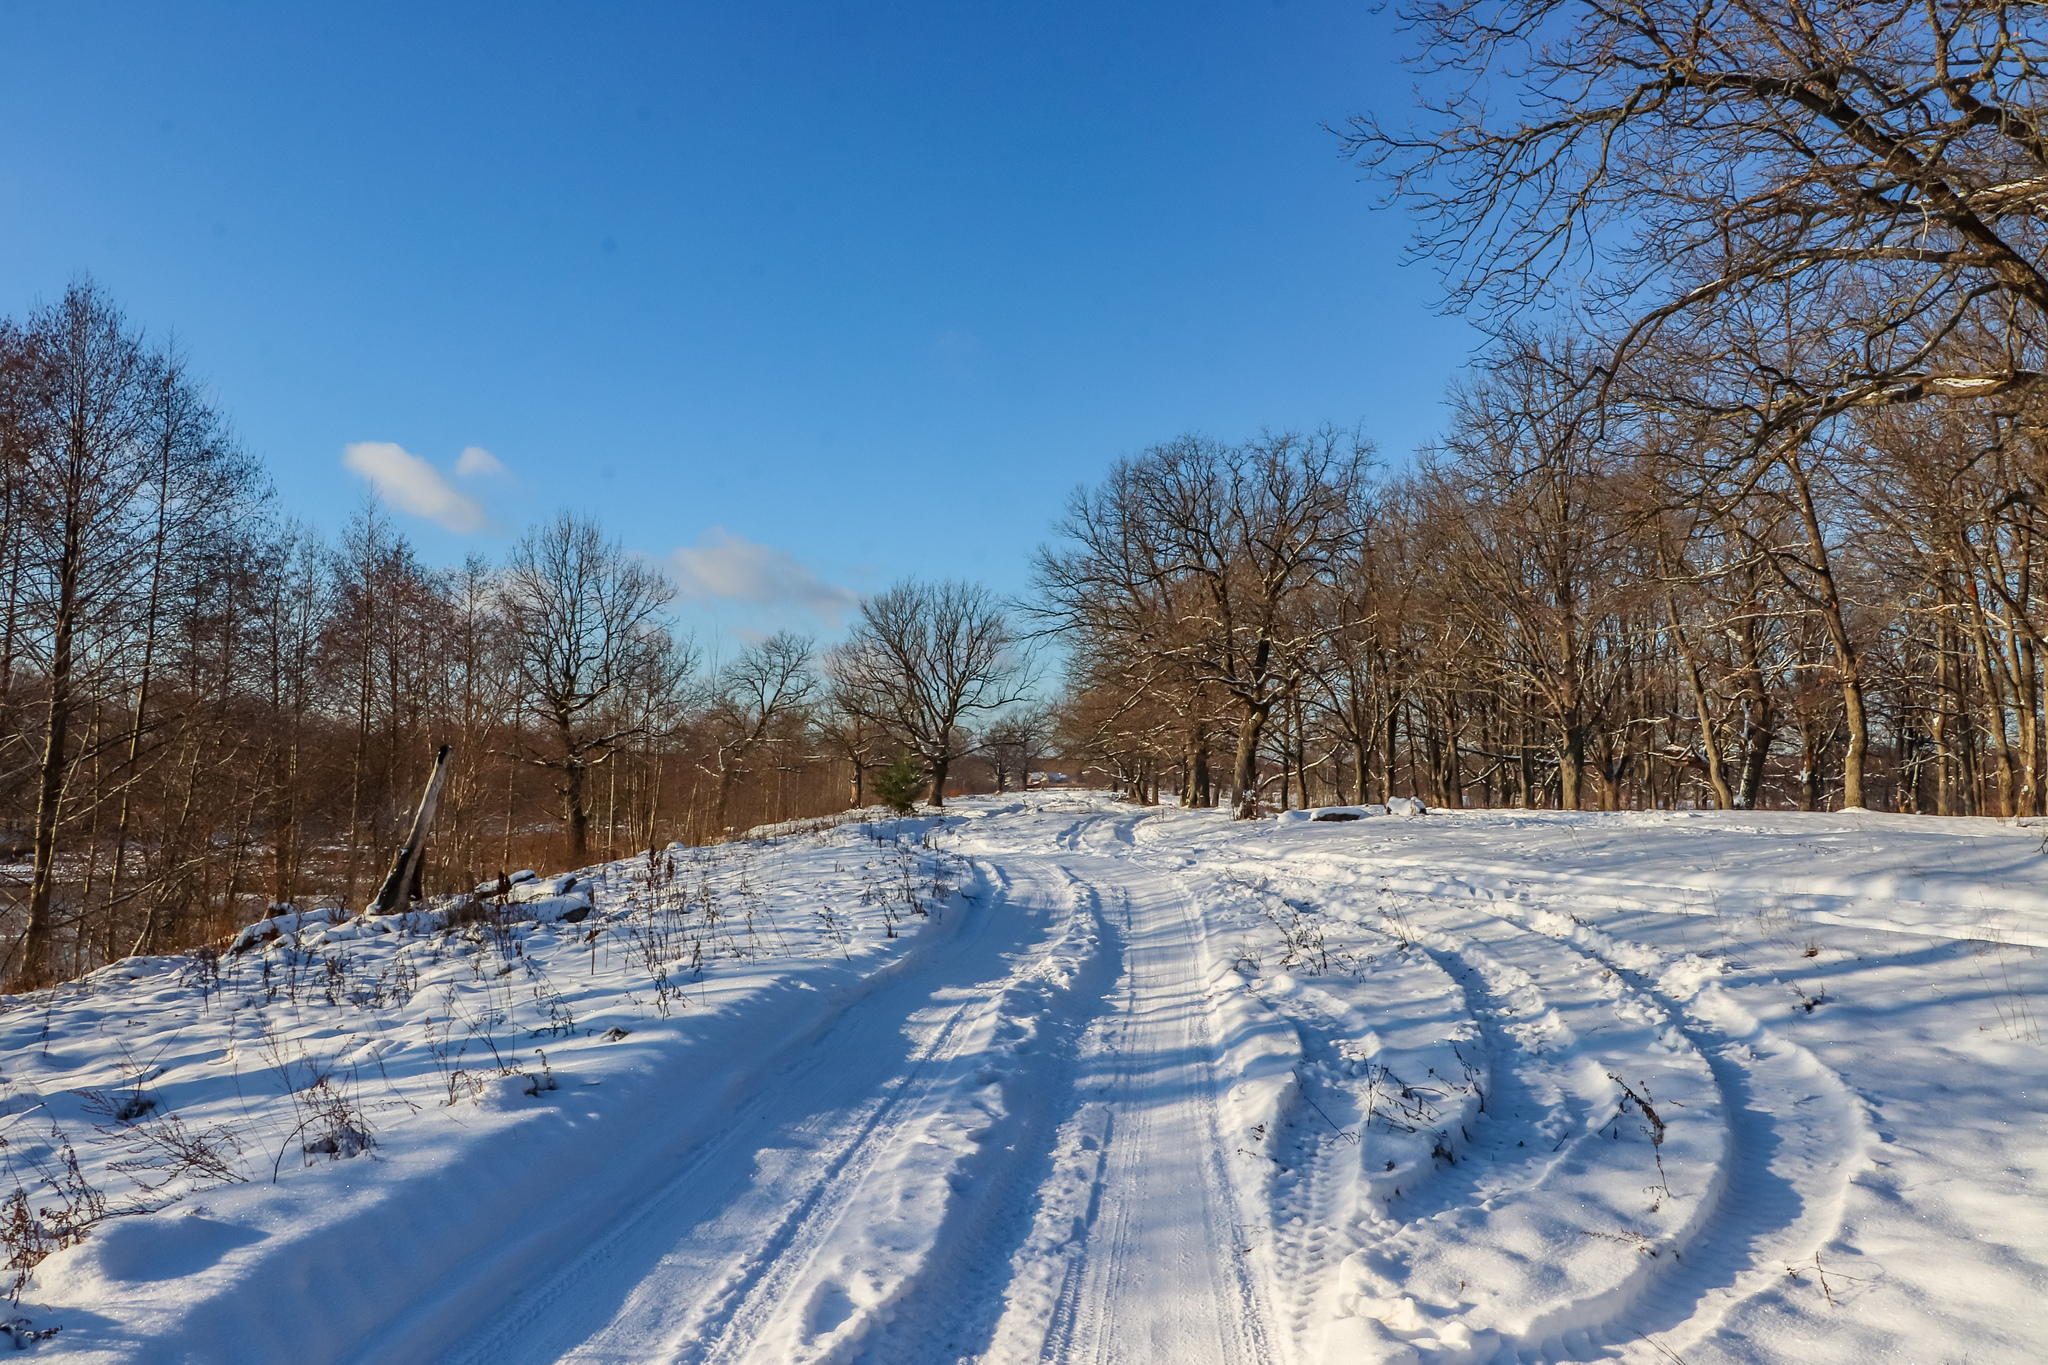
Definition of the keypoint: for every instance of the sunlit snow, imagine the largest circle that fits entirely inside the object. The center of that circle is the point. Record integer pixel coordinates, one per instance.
(1060, 1078)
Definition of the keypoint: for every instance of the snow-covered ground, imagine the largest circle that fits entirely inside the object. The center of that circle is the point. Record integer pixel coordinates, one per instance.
(1061, 1079)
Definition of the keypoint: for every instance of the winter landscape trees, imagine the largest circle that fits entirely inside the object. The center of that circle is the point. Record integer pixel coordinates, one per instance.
(1751, 522)
(206, 709)
(424, 946)
(1585, 596)
(924, 659)
(593, 661)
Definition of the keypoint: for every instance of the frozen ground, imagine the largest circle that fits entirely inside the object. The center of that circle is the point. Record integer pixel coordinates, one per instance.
(1124, 1085)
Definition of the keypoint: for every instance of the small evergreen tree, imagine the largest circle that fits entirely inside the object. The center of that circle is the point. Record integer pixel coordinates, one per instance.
(899, 783)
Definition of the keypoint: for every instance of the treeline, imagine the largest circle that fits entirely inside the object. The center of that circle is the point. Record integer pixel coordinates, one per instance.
(206, 709)
(1523, 621)
(1751, 522)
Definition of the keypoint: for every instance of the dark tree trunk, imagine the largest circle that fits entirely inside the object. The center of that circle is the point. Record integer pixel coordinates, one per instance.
(577, 817)
(1393, 746)
(1571, 765)
(35, 944)
(1246, 769)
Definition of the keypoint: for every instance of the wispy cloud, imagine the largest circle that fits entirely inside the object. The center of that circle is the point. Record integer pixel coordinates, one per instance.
(405, 481)
(729, 568)
(475, 461)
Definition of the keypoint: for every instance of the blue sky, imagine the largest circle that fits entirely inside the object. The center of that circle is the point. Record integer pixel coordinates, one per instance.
(817, 294)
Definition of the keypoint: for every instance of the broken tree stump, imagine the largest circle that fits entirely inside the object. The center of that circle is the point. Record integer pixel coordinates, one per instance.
(403, 884)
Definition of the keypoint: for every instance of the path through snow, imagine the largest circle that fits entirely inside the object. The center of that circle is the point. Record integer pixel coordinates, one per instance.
(1150, 1086)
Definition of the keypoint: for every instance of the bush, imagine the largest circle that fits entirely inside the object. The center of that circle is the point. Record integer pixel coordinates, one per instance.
(899, 783)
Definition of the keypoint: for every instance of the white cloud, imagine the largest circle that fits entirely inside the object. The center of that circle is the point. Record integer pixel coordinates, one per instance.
(475, 461)
(408, 483)
(725, 567)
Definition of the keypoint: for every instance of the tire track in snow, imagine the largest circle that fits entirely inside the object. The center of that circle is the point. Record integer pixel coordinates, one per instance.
(951, 1311)
(1791, 1159)
(1314, 1222)
(849, 1158)
(1794, 1132)
(1530, 1163)
(1554, 1005)
(1529, 1125)
(1158, 1276)
(778, 1271)
(837, 1110)
(1758, 1220)
(1332, 1200)
(1100, 1275)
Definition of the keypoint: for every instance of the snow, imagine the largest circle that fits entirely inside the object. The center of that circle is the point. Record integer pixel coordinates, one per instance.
(1056, 1078)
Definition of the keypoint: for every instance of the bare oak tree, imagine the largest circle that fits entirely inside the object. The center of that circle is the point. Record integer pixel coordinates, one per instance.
(1017, 739)
(921, 660)
(1205, 557)
(1530, 527)
(586, 627)
(1661, 162)
(758, 701)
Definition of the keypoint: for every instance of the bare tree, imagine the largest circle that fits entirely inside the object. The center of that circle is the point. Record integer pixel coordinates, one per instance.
(287, 615)
(1205, 557)
(922, 658)
(1667, 160)
(1357, 684)
(233, 712)
(197, 477)
(845, 733)
(1531, 530)
(1014, 741)
(84, 518)
(759, 700)
(586, 624)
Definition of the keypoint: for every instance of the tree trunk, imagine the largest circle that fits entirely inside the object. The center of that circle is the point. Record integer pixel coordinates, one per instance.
(1847, 664)
(2028, 714)
(1393, 743)
(284, 856)
(1995, 694)
(939, 782)
(1710, 743)
(1941, 735)
(1246, 769)
(578, 818)
(726, 778)
(355, 781)
(1571, 765)
(404, 880)
(1759, 730)
(1859, 741)
(1197, 793)
(1812, 749)
(35, 946)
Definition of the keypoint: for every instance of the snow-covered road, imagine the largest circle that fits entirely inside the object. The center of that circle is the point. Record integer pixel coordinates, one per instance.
(831, 1192)
(866, 1197)
(1150, 1086)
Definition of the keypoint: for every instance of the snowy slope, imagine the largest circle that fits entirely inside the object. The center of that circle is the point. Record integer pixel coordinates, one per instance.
(1062, 1079)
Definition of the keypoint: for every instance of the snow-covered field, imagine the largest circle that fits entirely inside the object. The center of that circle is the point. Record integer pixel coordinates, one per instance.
(1062, 1079)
